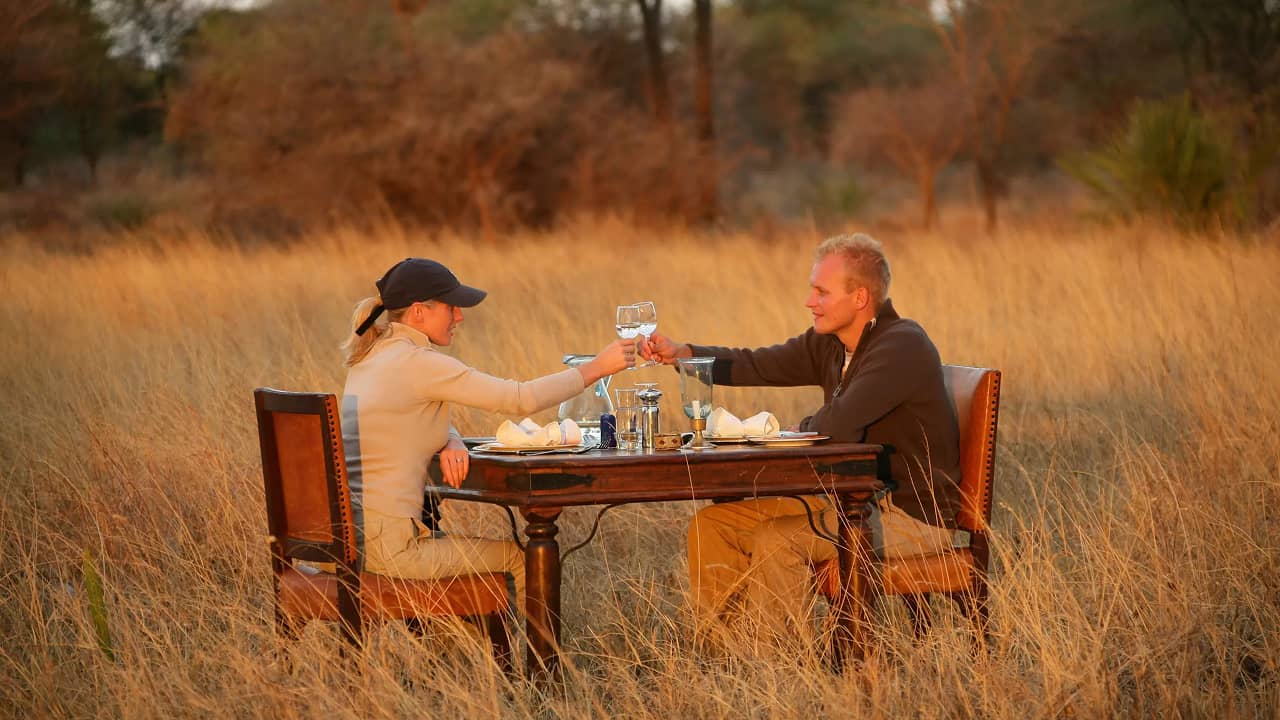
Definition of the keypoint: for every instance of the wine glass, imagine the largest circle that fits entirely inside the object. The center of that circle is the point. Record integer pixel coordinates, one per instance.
(628, 324)
(647, 314)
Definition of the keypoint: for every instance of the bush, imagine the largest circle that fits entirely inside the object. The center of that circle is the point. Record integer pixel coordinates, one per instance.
(1171, 162)
(335, 111)
(126, 212)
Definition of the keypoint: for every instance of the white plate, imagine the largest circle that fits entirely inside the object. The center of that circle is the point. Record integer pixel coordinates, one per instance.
(796, 440)
(739, 440)
(494, 447)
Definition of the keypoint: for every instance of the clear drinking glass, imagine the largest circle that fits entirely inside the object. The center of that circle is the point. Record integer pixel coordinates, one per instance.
(628, 434)
(628, 324)
(647, 314)
(625, 397)
(627, 413)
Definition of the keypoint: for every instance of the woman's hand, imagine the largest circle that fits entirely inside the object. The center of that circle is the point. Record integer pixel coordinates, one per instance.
(455, 462)
(618, 355)
(663, 349)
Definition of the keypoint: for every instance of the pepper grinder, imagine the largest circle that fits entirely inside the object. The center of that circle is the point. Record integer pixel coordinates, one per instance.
(649, 427)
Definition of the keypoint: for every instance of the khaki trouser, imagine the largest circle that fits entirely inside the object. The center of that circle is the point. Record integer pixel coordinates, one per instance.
(404, 547)
(766, 548)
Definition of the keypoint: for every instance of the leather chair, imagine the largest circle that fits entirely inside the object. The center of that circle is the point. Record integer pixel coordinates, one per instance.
(309, 518)
(959, 572)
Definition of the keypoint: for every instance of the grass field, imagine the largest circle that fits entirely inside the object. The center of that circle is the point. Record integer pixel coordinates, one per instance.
(1136, 543)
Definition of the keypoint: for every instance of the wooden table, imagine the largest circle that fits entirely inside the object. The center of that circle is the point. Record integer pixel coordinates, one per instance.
(540, 486)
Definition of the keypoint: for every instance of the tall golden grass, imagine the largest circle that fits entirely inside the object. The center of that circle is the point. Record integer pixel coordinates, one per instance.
(1137, 554)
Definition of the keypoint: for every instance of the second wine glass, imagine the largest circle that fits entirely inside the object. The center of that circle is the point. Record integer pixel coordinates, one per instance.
(647, 314)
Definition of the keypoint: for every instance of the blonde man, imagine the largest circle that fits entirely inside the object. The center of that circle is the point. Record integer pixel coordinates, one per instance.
(882, 383)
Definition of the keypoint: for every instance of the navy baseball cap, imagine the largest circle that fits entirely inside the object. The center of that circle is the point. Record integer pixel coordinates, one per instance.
(417, 280)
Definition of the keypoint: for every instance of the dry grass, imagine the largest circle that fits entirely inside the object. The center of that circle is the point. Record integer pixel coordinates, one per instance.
(1137, 551)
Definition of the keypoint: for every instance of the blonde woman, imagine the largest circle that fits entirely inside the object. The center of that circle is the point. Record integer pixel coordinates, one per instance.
(395, 418)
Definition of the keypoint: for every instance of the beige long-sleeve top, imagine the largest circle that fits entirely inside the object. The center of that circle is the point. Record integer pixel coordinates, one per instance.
(395, 414)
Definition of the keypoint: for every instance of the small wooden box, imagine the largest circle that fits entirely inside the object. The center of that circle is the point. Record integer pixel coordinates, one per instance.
(667, 441)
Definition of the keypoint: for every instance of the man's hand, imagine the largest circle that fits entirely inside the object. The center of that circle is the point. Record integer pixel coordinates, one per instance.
(455, 462)
(663, 349)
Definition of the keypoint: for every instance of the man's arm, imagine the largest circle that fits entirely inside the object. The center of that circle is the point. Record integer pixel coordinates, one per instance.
(888, 376)
(786, 364)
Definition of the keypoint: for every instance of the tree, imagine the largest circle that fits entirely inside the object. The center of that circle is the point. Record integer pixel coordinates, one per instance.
(1109, 54)
(784, 63)
(96, 90)
(1225, 53)
(152, 34)
(1235, 40)
(34, 39)
(917, 129)
(991, 46)
(328, 112)
(658, 89)
(704, 104)
(408, 7)
(150, 31)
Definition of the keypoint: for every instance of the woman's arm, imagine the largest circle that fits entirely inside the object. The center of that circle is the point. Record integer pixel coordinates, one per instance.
(441, 377)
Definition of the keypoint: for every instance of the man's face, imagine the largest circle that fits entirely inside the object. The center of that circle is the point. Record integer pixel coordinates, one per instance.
(833, 306)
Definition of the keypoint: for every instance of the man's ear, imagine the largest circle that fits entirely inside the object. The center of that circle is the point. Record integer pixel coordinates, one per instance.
(861, 298)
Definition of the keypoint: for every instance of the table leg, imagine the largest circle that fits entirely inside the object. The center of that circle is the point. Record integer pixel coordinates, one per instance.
(853, 605)
(542, 590)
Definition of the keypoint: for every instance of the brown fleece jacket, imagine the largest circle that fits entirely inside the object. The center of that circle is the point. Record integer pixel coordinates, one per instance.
(892, 394)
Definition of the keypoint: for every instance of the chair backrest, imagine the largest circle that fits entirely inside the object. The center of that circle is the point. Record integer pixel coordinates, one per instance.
(976, 392)
(304, 468)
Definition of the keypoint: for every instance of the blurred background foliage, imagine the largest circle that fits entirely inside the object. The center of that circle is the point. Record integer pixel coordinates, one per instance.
(274, 116)
(1172, 162)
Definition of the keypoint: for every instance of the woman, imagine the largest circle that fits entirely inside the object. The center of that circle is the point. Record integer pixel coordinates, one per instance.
(395, 417)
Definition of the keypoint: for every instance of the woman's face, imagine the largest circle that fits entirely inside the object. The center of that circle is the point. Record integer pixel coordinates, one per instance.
(437, 321)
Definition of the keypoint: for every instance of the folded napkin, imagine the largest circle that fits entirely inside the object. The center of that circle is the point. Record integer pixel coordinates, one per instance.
(530, 434)
(722, 423)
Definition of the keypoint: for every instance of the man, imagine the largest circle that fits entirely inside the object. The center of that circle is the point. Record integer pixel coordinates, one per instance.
(882, 383)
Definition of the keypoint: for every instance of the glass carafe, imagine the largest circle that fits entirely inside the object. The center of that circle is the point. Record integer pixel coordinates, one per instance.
(696, 386)
(586, 407)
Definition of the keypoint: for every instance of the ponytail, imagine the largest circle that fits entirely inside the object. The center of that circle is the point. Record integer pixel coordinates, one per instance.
(359, 344)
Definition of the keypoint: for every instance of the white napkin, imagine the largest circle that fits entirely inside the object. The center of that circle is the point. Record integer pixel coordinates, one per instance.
(722, 423)
(762, 423)
(571, 433)
(530, 434)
